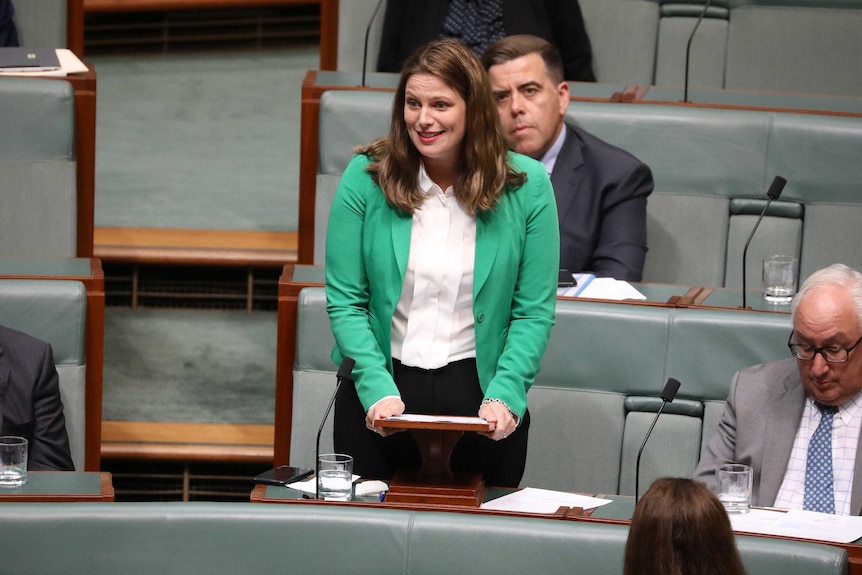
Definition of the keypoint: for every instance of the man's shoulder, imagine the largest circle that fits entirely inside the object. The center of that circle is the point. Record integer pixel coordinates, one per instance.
(774, 375)
(14, 340)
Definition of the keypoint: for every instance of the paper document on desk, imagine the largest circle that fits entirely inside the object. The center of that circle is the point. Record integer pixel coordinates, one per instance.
(800, 524)
(532, 500)
(589, 286)
(69, 64)
(310, 485)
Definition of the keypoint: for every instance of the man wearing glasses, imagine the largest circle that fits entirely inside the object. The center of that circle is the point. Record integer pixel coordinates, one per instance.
(797, 421)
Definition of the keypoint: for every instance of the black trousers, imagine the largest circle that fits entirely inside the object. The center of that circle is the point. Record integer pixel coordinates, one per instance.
(450, 390)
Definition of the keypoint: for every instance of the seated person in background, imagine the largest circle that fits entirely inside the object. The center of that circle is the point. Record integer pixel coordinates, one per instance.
(601, 190)
(796, 422)
(409, 24)
(680, 527)
(8, 32)
(30, 404)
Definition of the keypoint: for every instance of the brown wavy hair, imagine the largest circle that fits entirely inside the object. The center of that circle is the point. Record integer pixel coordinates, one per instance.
(680, 528)
(484, 169)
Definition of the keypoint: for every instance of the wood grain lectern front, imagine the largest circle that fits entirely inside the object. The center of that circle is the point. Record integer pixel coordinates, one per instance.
(435, 482)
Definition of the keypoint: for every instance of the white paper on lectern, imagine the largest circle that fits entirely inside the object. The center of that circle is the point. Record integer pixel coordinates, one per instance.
(532, 500)
(436, 418)
(800, 524)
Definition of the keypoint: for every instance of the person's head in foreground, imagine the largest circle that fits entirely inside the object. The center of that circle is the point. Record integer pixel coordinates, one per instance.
(679, 528)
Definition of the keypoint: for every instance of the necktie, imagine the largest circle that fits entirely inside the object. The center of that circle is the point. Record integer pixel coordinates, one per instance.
(819, 493)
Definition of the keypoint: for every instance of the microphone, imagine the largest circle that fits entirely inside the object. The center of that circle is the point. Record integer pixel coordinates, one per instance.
(774, 191)
(343, 374)
(367, 34)
(667, 395)
(688, 48)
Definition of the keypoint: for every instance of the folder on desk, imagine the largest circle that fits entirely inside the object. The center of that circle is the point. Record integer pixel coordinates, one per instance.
(28, 60)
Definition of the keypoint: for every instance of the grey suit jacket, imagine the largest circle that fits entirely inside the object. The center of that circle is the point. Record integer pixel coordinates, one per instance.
(758, 427)
(601, 193)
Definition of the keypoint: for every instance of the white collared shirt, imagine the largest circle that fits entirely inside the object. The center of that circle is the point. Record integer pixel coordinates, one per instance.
(433, 321)
(550, 157)
(845, 438)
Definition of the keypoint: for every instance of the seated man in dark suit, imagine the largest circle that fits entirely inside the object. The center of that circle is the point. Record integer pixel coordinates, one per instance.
(601, 190)
(409, 24)
(30, 404)
(797, 421)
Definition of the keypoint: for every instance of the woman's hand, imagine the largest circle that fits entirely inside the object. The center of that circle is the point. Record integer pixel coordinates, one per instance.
(381, 410)
(501, 420)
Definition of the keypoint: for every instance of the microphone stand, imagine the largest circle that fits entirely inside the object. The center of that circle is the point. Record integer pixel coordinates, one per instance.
(343, 374)
(667, 395)
(774, 191)
(688, 48)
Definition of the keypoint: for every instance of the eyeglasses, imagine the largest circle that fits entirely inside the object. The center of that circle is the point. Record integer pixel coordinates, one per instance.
(832, 354)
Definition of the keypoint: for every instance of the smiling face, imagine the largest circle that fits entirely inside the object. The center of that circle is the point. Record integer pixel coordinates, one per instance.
(435, 116)
(827, 317)
(531, 106)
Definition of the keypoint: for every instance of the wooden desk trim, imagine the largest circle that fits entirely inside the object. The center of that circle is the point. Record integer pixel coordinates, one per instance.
(288, 298)
(106, 493)
(94, 338)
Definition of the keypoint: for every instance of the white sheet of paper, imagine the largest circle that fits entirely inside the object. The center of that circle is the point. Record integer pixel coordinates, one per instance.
(532, 500)
(603, 288)
(800, 524)
(436, 418)
(308, 485)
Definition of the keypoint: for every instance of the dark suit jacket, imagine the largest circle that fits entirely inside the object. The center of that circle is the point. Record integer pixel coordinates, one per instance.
(409, 24)
(601, 195)
(8, 32)
(758, 427)
(30, 404)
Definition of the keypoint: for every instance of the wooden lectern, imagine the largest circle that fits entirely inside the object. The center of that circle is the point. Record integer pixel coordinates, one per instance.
(435, 482)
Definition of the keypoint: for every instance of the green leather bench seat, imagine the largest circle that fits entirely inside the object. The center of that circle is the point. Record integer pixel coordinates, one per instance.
(711, 167)
(231, 538)
(37, 168)
(55, 311)
(598, 389)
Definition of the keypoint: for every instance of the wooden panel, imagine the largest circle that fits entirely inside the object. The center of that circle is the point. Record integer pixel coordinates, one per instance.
(219, 442)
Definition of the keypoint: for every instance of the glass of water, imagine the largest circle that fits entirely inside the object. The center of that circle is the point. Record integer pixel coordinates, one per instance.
(13, 461)
(733, 483)
(335, 476)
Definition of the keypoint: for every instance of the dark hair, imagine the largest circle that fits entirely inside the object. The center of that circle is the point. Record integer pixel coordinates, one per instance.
(484, 170)
(520, 45)
(680, 528)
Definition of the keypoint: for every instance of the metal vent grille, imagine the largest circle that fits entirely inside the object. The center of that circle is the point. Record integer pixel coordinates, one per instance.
(194, 287)
(181, 481)
(241, 28)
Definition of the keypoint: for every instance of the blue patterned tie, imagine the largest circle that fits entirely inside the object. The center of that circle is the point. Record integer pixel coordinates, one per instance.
(819, 493)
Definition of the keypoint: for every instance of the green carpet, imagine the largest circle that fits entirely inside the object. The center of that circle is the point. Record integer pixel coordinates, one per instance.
(197, 366)
(200, 141)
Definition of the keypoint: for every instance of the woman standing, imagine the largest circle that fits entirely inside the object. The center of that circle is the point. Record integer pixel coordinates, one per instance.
(441, 265)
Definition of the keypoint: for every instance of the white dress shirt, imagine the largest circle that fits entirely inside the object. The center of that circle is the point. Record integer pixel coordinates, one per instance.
(845, 438)
(433, 322)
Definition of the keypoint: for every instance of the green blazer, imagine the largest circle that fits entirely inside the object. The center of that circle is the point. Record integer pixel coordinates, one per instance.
(514, 288)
